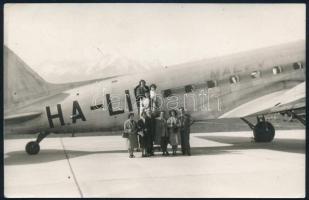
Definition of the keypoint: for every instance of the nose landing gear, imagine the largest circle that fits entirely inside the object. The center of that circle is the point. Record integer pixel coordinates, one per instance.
(263, 131)
(33, 147)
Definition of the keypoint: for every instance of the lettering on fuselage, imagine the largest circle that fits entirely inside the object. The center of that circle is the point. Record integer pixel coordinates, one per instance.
(96, 107)
(110, 106)
(117, 112)
(80, 114)
(77, 113)
(50, 117)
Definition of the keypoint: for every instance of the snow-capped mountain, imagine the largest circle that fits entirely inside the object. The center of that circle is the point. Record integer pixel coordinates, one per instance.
(108, 65)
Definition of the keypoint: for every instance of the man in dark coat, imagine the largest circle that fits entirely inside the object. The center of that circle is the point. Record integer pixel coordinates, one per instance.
(140, 91)
(148, 135)
(161, 133)
(184, 125)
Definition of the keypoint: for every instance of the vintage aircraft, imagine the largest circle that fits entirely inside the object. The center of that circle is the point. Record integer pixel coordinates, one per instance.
(254, 83)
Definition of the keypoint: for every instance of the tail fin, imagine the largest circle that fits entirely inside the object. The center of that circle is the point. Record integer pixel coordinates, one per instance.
(23, 86)
(21, 83)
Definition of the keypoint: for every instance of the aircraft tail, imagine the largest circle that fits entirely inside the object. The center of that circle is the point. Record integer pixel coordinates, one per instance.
(21, 83)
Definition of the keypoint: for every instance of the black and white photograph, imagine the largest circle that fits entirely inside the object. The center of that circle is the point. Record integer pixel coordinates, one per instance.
(154, 100)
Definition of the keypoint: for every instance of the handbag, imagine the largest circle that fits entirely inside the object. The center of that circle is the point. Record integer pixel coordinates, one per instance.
(140, 133)
(125, 135)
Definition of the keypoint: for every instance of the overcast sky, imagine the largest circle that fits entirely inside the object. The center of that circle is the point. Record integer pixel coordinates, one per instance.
(168, 34)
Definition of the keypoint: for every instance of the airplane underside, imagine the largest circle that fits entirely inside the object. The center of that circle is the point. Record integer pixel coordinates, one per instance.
(263, 131)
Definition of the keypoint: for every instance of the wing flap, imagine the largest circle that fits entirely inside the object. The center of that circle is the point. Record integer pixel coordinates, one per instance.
(290, 99)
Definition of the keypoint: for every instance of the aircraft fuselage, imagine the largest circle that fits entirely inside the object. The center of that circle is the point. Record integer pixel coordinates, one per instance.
(207, 89)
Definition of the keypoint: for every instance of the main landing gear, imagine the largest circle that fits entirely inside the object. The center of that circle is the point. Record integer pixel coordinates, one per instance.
(33, 147)
(301, 119)
(263, 131)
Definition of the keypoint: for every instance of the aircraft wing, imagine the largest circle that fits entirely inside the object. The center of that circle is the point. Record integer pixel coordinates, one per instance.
(21, 117)
(285, 100)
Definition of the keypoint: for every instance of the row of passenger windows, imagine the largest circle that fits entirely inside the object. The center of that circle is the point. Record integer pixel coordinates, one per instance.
(235, 79)
(257, 74)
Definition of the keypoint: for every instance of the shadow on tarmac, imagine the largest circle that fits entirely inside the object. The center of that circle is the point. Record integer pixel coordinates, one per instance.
(242, 143)
(237, 143)
(48, 155)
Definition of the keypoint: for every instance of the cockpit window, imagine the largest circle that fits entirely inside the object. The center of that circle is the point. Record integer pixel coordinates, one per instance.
(189, 88)
(211, 84)
(298, 65)
(167, 93)
(277, 70)
(255, 74)
(234, 79)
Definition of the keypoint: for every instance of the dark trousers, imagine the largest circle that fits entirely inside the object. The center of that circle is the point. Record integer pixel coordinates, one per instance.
(150, 143)
(141, 142)
(164, 143)
(147, 143)
(152, 134)
(185, 142)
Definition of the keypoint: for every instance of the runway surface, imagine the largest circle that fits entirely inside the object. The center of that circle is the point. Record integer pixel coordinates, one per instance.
(223, 164)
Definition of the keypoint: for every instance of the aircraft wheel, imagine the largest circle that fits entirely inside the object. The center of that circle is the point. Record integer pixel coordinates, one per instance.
(32, 148)
(264, 132)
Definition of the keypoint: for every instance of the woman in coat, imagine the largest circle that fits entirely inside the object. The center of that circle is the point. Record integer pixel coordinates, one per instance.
(130, 127)
(172, 128)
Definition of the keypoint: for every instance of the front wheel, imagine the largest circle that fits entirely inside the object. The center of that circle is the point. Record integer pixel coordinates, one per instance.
(264, 132)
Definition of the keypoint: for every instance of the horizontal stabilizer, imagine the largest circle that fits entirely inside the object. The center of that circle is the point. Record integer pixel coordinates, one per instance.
(21, 117)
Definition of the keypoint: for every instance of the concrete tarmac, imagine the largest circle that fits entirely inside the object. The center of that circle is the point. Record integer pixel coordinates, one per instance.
(223, 164)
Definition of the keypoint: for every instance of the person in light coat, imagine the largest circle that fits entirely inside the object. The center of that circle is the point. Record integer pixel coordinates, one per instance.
(173, 132)
(130, 127)
(145, 103)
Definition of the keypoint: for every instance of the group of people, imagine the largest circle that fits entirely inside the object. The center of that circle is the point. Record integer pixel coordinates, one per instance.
(146, 97)
(152, 126)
